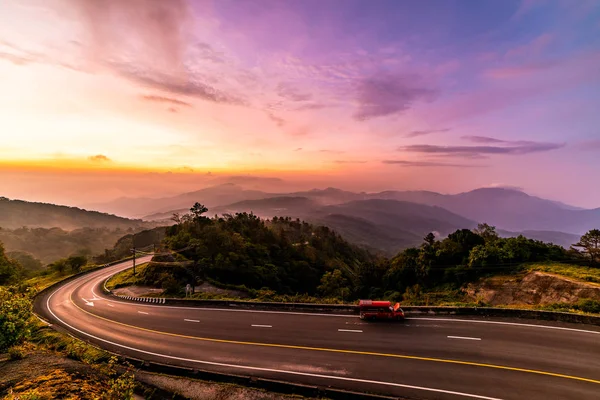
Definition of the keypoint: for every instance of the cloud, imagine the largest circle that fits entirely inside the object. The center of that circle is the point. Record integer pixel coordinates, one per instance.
(156, 30)
(407, 163)
(331, 151)
(289, 92)
(349, 162)
(513, 148)
(483, 139)
(389, 94)
(298, 149)
(163, 99)
(426, 132)
(278, 120)
(314, 106)
(504, 186)
(188, 85)
(100, 158)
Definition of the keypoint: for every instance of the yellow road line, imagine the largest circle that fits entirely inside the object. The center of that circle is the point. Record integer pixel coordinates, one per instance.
(357, 352)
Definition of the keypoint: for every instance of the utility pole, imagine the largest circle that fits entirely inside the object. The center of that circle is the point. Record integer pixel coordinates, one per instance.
(133, 250)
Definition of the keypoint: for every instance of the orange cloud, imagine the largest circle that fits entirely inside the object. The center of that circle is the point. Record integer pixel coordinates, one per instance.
(99, 158)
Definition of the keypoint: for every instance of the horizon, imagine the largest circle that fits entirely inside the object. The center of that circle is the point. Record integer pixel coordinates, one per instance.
(347, 94)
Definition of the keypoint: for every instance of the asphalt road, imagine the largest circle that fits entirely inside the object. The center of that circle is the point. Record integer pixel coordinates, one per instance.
(431, 358)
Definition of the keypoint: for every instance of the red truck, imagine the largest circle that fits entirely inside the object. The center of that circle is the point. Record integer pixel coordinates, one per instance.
(374, 310)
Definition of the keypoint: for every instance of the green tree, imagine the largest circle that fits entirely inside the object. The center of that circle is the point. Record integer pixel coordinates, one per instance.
(10, 270)
(26, 260)
(333, 284)
(487, 232)
(590, 242)
(15, 313)
(76, 263)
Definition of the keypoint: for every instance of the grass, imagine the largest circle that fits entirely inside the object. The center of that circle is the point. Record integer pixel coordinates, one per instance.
(578, 272)
(126, 277)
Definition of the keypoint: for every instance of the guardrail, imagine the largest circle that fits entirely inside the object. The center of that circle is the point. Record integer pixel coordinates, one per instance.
(353, 309)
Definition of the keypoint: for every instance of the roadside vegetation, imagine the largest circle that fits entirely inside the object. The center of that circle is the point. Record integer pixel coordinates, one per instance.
(288, 260)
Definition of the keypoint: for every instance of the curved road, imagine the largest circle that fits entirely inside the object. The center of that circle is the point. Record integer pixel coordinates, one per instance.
(432, 358)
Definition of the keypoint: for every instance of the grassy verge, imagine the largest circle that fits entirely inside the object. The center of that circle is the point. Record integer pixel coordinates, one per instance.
(126, 277)
(578, 272)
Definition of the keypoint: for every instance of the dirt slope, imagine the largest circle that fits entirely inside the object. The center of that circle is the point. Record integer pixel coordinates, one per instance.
(534, 288)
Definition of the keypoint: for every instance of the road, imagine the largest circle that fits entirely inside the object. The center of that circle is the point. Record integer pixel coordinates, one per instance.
(431, 358)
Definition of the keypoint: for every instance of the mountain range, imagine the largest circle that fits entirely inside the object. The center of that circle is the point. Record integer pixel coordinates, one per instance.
(507, 209)
(385, 221)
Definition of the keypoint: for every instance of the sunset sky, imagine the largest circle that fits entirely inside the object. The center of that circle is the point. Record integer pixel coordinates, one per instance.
(107, 98)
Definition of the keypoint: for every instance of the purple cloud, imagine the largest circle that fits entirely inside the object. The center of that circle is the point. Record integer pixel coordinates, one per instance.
(425, 132)
(483, 139)
(478, 151)
(390, 94)
(192, 86)
(408, 163)
(289, 92)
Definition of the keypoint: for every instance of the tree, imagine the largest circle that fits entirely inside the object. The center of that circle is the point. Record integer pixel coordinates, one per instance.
(15, 312)
(429, 239)
(10, 270)
(197, 210)
(590, 242)
(333, 283)
(76, 263)
(487, 232)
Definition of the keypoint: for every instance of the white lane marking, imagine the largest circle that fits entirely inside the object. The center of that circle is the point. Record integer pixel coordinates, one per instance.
(350, 330)
(191, 320)
(88, 303)
(340, 378)
(143, 312)
(463, 337)
(262, 326)
(110, 305)
(475, 321)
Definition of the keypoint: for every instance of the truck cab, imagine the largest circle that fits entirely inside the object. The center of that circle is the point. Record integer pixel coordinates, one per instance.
(380, 310)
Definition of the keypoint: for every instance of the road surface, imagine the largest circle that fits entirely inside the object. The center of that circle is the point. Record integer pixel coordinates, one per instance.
(431, 358)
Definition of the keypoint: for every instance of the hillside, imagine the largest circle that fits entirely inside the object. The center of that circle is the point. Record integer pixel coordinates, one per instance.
(17, 213)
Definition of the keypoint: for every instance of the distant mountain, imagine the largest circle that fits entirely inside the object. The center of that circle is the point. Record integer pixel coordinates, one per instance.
(508, 209)
(274, 206)
(17, 213)
(514, 210)
(211, 197)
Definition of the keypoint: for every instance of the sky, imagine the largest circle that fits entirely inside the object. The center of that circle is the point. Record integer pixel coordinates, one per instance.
(107, 98)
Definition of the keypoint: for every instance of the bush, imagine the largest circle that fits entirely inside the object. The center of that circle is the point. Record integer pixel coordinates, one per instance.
(16, 353)
(589, 305)
(15, 315)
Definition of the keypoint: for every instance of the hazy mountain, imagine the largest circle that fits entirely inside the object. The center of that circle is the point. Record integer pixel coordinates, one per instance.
(17, 213)
(274, 206)
(507, 209)
(211, 197)
(517, 211)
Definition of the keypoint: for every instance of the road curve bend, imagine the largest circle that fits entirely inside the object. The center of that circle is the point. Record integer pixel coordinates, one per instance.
(432, 358)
